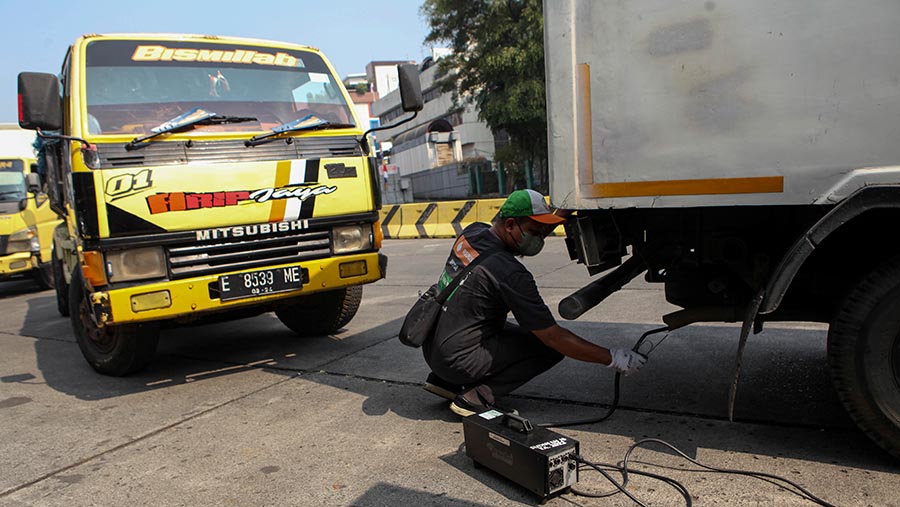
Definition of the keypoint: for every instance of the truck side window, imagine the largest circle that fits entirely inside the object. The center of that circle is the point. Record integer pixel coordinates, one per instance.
(50, 154)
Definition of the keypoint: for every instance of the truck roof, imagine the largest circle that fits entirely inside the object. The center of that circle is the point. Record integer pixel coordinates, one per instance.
(197, 38)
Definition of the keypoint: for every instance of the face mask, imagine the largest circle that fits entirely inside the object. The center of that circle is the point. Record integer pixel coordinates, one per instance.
(530, 245)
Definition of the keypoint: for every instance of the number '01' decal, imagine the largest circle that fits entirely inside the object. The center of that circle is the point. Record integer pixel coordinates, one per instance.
(124, 184)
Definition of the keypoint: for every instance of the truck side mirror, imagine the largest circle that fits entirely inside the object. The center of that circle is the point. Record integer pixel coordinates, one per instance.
(33, 182)
(410, 87)
(39, 102)
(410, 100)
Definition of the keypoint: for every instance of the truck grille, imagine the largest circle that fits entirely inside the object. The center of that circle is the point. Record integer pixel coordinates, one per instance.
(181, 152)
(224, 255)
(4, 240)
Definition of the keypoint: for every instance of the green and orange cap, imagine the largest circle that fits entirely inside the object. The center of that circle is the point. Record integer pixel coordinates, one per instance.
(531, 204)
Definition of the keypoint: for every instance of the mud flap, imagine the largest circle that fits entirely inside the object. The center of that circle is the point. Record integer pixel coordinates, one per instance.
(749, 318)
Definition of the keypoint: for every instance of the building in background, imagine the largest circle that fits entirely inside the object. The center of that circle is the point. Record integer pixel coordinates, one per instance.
(380, 78)
(446, 152)
(383, 76)
(437, 154)
(360, 90)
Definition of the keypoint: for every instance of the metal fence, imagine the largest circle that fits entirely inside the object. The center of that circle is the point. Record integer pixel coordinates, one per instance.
(467, 180)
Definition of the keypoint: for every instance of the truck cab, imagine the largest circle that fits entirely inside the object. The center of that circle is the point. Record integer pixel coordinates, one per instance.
(203, 178)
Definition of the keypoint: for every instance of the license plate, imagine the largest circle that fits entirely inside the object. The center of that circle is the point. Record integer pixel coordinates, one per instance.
(262, 282)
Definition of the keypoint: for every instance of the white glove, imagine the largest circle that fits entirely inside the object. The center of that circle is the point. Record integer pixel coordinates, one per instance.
(626, 361)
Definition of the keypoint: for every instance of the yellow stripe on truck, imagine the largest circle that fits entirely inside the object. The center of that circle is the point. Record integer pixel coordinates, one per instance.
(282, 178)
(709, 186)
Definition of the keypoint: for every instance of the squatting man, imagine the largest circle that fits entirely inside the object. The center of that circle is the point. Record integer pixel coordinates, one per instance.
(475, 355)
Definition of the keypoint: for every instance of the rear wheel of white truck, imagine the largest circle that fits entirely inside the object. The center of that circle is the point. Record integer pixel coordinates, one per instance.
(111, 350)
(864, 355)
(321, 313)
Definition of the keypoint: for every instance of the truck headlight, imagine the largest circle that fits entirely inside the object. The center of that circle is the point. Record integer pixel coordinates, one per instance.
(25, 240)
(135, 264)
(351, 238)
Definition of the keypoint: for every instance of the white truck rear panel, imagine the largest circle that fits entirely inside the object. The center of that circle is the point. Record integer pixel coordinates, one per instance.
(664, 103)
(15, 142)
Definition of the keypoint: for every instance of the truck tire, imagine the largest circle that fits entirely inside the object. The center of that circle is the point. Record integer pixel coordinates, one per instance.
(864, 355)
(113, 350)
(322, 313)
(44, 275)
(60, 285)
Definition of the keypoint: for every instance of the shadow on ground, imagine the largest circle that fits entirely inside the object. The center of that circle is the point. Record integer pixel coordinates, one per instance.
(189, 354)
(784, 384)
(383, 494)
(19, 287)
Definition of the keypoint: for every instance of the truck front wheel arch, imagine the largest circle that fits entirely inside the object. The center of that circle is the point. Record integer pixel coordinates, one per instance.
(110, 350)
(864, 354)
(863, 201)
(320, 313)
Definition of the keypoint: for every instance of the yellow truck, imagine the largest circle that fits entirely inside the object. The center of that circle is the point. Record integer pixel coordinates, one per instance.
(203, 178)
(26, 220)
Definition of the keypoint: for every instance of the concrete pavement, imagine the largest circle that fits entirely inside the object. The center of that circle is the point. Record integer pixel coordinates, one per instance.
(244, 413)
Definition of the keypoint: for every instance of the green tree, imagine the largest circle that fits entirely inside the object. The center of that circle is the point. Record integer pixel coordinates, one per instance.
(498, 65)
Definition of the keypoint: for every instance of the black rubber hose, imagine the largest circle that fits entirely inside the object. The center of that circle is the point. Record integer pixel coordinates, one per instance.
(616, 389)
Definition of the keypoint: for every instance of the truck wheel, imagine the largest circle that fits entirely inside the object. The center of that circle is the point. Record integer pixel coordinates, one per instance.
(864, 355)
(112, 350)
(59, 283)
(321, 313)
(44, 275)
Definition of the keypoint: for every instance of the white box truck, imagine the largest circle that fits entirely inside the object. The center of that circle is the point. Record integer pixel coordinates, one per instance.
(747, 156)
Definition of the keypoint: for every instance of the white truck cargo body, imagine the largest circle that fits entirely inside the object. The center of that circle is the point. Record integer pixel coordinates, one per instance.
(745, 154)
(661, 103)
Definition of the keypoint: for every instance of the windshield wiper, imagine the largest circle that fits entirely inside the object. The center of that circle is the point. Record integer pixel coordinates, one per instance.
(193, 117)
(13, 192)
(308, 122)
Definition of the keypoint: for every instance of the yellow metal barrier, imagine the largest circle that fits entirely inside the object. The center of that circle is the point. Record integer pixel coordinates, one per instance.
(488, 209)
(445, 219)
(453, 217)
(390, 220)
(417, 220)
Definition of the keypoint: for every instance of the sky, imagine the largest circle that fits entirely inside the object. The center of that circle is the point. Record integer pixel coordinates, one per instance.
(351, 33)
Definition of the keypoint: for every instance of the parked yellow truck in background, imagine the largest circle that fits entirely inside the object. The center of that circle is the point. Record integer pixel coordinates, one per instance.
(26, 220)
(202, 178)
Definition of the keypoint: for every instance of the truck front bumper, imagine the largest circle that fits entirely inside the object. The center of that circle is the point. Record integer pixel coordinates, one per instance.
(196, 296)
(16, 263)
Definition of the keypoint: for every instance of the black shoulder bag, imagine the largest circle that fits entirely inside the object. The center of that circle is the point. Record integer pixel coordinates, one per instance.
(423, 316)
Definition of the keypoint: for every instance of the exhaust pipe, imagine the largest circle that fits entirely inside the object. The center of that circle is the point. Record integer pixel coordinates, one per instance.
(595, 292)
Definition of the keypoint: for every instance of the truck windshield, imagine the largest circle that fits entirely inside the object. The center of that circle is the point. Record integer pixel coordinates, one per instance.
(133, 86)
(12, 180)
